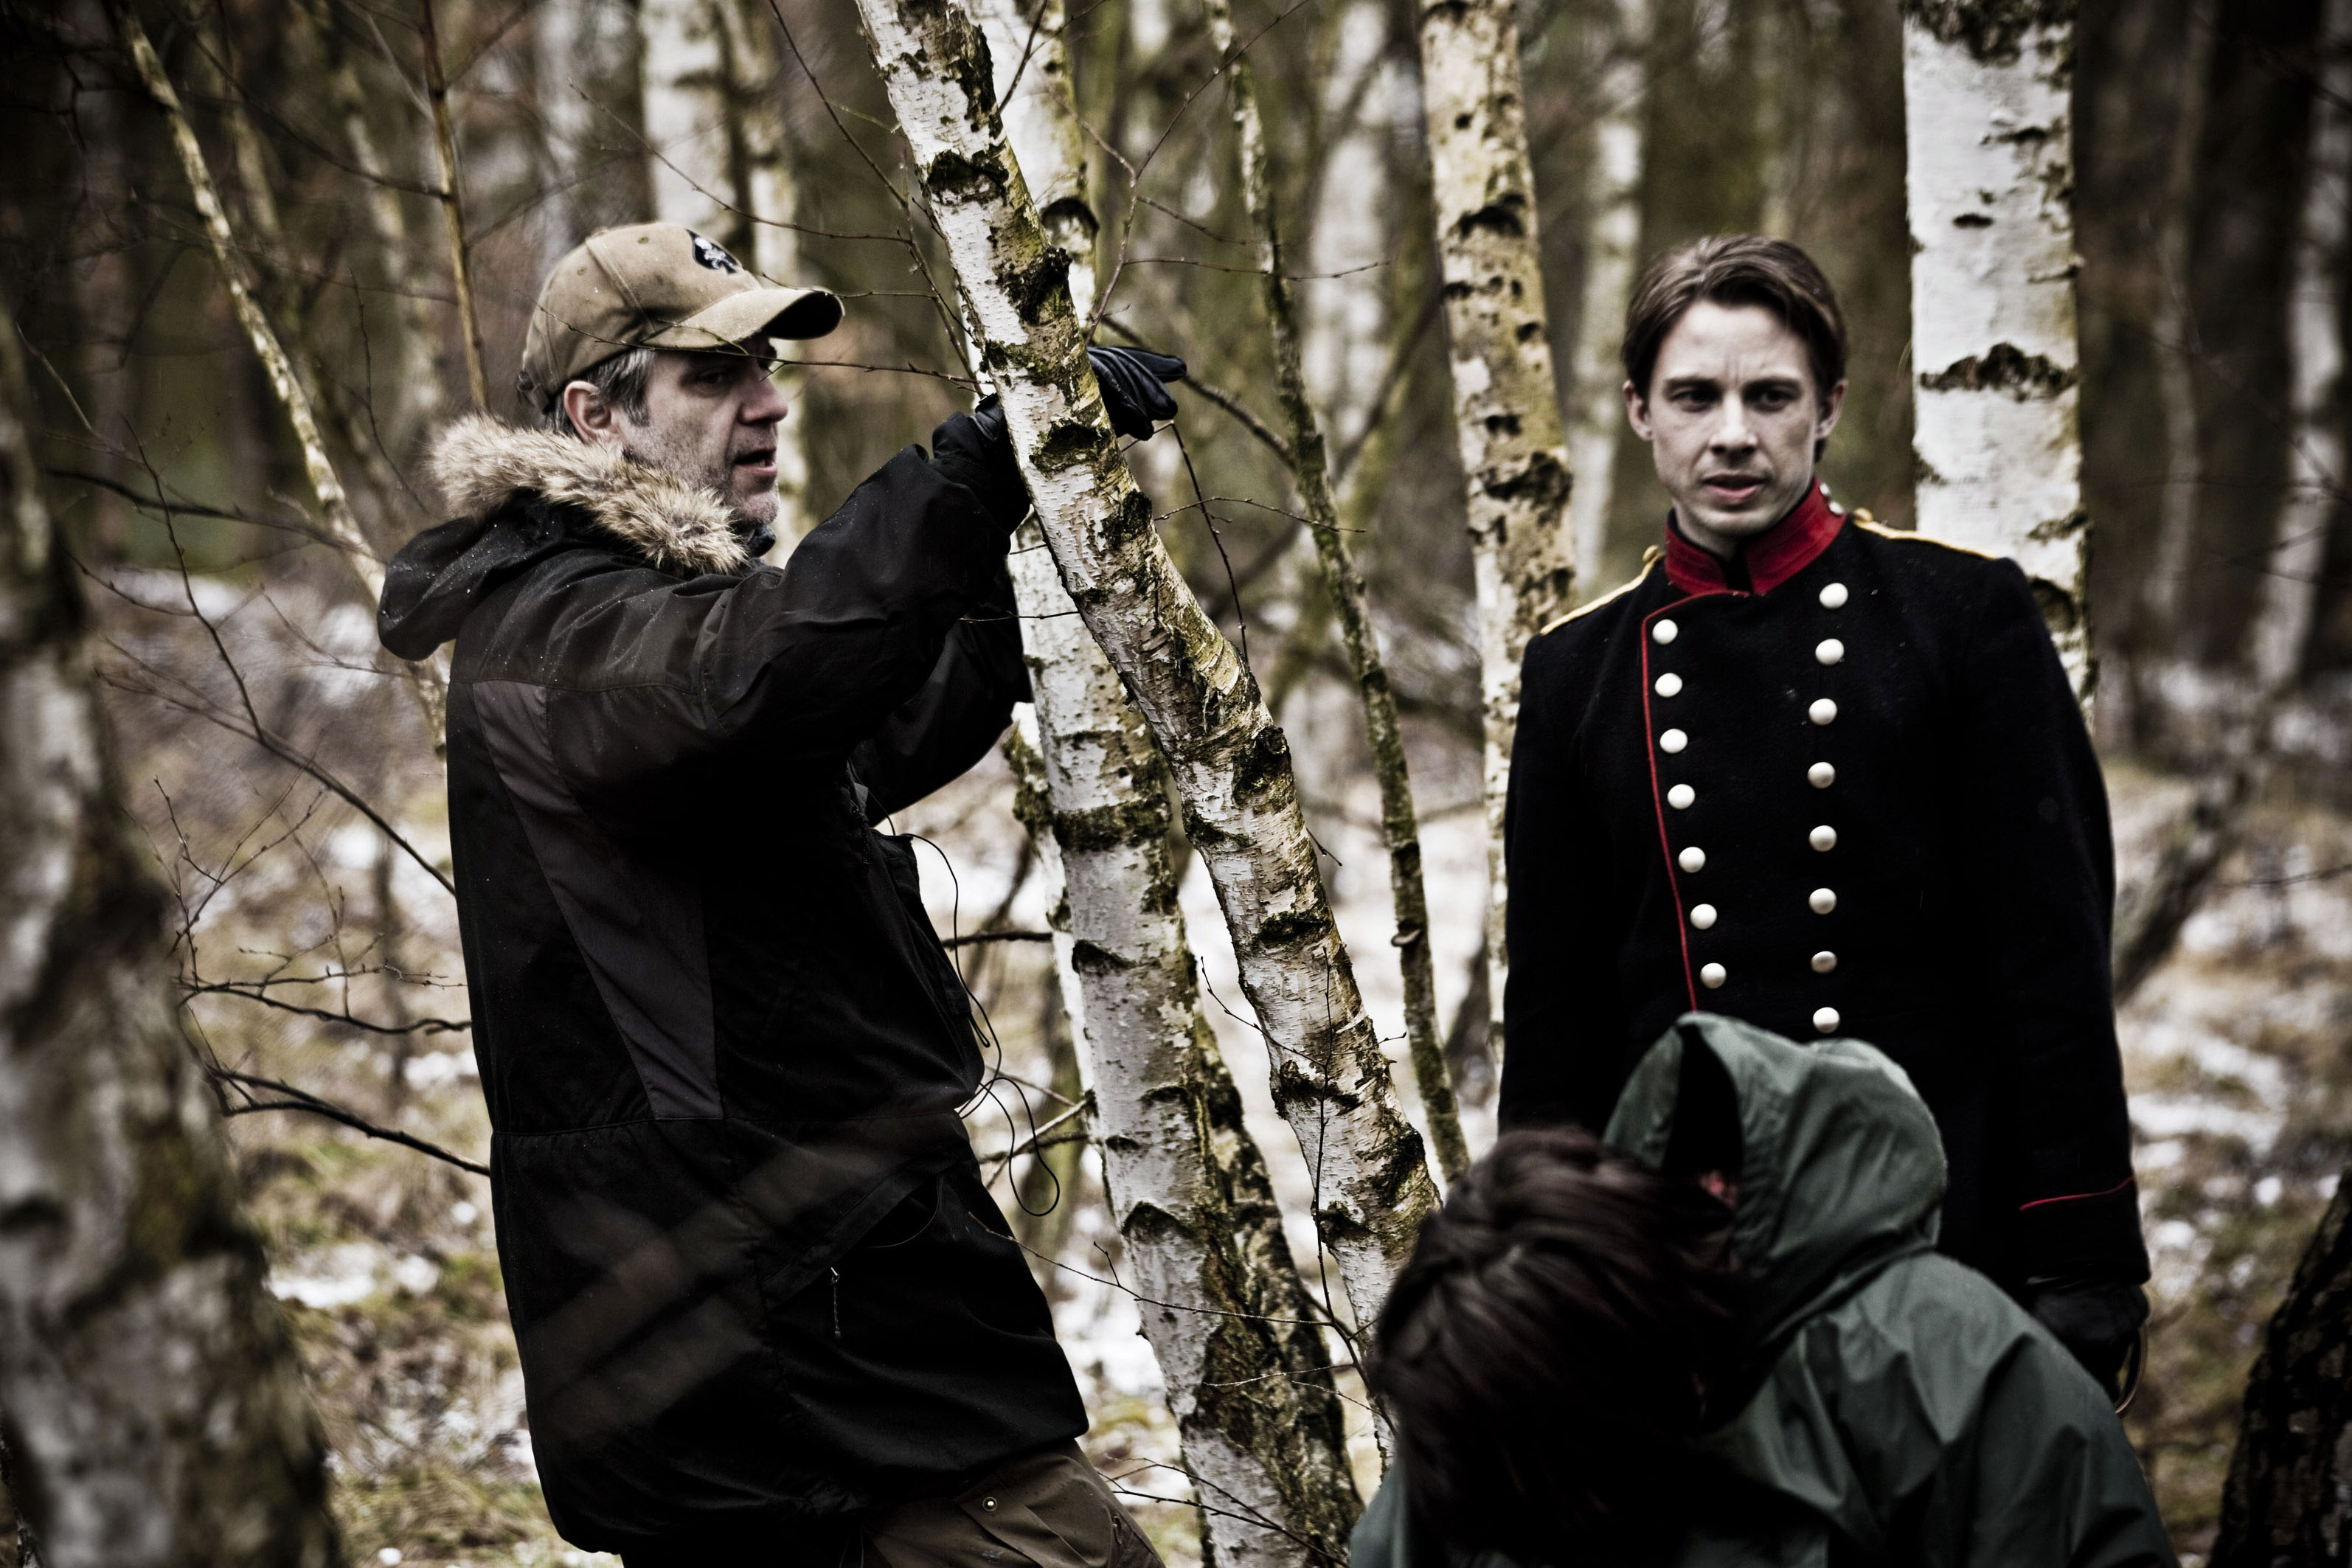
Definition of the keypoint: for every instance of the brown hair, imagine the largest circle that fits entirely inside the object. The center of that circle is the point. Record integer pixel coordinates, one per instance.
(1736, 269)
(1548, 1352)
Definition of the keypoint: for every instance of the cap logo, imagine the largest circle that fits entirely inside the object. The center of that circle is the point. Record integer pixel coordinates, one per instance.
(714, 255)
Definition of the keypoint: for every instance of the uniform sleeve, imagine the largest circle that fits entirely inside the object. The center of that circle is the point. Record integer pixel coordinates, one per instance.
(950, 725)
(2039, 868)
(688, 685)
(1563, 1025)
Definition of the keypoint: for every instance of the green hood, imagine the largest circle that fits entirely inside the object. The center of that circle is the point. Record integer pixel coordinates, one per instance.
(1841, 1171)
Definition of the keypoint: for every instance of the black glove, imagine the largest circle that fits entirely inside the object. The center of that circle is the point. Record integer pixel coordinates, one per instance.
(2098, 1322)
(1132, 394)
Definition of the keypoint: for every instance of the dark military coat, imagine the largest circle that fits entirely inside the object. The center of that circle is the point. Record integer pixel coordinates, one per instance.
(1839, 785)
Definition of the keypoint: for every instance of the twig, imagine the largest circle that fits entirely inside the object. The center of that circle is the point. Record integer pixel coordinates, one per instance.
(303, 1100)
(445, 142)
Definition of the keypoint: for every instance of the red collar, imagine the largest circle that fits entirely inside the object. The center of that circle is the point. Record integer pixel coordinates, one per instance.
(1771, 559)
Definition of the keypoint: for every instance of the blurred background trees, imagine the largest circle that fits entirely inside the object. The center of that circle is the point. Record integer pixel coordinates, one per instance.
(280, 772)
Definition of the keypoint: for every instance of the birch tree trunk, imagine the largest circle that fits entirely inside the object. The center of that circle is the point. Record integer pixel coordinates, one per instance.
(1311, 475)
(2280, 632)
(1248, 1378)
(558, 47)
(156, 1414)
(1506, 410)
(1230, 762)
(1612, 259)
(714, 119)
(1986, 88)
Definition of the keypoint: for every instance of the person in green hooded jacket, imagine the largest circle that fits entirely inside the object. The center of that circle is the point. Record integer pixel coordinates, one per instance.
(1722, 1336)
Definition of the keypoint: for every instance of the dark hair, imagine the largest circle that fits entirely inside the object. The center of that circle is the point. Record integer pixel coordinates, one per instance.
(1736, 269)
(1546, 1354)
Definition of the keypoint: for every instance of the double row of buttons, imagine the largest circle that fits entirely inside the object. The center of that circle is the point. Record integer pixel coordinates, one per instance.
(1692, 859)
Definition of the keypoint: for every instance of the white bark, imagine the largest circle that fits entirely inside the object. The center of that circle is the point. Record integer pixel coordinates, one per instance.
(1986, 89)
(1506, 410)
(156, 1412)
(1248, 1383)
(1311, 477)
(1223, 1306)
(1612, 247)
(559, 35)
(720, 164)
(1231, 764)
(1344, 303)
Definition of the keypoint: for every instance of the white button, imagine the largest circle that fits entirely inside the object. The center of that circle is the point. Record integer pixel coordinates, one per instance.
(1829, 652)
(1680, 797)
(1713, 976)
(1823, 711)
(1836, 511)
(1824, 900)
(1826, 1020)
(1670, 685)
(1825, 961)
(1702, 916)
(1823, 837)
(1665, 632)
(1821, 775)
(1672, 740)
(1833, 596)
(1692, 860)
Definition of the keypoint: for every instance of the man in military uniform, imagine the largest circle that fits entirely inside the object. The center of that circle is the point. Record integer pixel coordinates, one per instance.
(1830, 779)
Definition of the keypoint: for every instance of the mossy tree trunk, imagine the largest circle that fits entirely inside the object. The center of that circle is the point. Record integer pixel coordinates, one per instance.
(1311, 477)
(1506, 409)
(1230, 764)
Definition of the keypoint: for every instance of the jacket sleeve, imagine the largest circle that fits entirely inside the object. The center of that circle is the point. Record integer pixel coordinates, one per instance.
(2040, 888)
(1562, 1021)
(689, 687)
(943, 729)
(1967, 1438)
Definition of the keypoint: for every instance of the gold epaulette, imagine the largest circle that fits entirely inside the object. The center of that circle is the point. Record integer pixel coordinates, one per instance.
(1649, 559)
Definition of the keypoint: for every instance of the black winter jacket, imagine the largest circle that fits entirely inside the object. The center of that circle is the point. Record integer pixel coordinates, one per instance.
(756, 1280)
(1841, 787)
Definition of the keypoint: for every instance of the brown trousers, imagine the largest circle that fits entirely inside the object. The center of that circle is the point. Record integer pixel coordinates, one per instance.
(1049, 1509)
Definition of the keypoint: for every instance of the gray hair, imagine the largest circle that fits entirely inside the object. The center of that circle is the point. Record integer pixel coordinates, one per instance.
(620, 381)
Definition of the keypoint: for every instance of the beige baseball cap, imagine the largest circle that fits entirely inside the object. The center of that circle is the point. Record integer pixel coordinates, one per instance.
(656, 286)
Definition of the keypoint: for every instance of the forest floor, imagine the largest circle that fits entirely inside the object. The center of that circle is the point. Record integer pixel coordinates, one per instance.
(387, 1263)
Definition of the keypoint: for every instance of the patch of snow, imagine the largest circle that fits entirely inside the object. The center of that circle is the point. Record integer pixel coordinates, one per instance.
(416, 1274)
(431, 1070)
(345, 1274)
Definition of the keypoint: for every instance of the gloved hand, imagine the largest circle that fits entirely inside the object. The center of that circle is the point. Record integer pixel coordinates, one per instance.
(1132, 392)
(2098, 1320)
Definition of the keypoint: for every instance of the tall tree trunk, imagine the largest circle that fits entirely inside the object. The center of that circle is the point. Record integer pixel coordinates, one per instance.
(1230, 764)
(1248, 1380)
(1506, 409)
(2175, 332)
(1986, 90)
(1612, 240)
(2280, 633)
(2288, 1500)
(720, 164)
(155, 1411)
(559, 35)
(1311, 477)
(453, 204)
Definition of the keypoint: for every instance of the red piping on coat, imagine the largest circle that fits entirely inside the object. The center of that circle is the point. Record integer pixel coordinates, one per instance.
(1658, 805)
(2076, 1197)
(1771, 558)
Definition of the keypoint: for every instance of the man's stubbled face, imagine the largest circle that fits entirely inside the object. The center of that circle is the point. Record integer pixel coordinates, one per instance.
(1732, 417)
(711, 419)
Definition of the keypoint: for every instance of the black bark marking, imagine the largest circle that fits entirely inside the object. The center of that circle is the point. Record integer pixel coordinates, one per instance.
(2004, 367)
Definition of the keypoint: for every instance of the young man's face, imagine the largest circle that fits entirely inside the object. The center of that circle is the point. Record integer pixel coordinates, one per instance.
(1731, 415)
(711, 419)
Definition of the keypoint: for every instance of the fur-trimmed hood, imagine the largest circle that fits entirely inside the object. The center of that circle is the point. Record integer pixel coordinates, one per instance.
(481, 464)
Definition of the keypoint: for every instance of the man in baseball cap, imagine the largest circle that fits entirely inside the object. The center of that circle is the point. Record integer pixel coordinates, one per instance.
(767, 1308)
